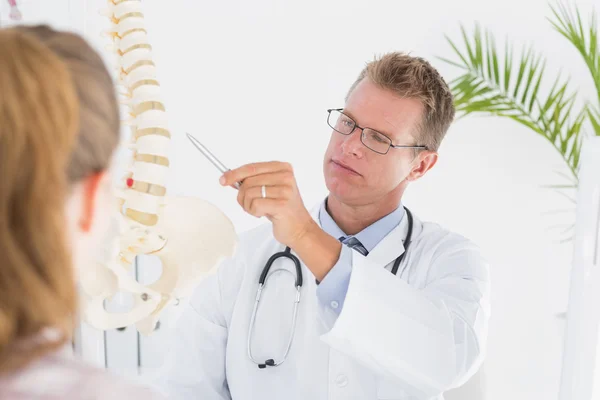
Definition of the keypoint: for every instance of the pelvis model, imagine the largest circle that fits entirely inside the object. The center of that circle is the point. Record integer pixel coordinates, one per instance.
(189, 235)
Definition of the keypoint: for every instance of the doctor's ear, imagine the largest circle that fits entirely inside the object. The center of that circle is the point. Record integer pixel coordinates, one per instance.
(423, 162)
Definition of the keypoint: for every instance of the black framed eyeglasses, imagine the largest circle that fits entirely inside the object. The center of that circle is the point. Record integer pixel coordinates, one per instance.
(373, 140)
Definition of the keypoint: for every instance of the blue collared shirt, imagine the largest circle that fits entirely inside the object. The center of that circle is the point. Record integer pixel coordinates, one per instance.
(332, 290)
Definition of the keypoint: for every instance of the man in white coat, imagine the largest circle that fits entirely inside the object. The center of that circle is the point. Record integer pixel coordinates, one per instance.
(367, 326)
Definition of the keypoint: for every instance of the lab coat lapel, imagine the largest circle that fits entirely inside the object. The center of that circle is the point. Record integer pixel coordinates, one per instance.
(392, 245)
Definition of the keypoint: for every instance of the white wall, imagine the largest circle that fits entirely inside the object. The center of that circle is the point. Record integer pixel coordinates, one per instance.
(253, 80)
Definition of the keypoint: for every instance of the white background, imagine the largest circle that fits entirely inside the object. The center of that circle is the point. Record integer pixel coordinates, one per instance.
(252, 80)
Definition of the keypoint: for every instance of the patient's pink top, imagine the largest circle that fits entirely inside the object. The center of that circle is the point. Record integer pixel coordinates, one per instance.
(61, 376)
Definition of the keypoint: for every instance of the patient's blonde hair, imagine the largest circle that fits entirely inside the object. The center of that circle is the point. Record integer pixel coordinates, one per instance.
(59, 123)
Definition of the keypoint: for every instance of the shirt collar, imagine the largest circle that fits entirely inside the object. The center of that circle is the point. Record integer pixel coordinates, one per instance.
(371, 235)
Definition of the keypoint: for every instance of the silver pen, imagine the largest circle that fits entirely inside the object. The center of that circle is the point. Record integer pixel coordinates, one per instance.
(211, 157)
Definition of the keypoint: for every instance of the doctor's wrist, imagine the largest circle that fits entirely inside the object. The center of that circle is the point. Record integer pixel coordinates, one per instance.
(318, 250)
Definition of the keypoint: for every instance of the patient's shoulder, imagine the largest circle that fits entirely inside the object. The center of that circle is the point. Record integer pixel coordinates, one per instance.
(62, 376)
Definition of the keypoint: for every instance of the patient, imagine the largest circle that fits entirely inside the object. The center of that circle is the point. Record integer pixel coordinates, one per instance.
(59, 126)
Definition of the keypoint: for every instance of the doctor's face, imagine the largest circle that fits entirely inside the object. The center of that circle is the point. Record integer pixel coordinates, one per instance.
(357, 175)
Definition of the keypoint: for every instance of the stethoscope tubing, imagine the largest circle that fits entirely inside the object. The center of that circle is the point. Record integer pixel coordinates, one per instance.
(262, 281)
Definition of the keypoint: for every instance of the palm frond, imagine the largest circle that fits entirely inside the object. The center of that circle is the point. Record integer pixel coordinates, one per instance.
(560, 211)
(568, 238)
(514, 85)
(571, 179)
(565, 227)
(585, 39)
(560, 186)
(571, 199)
(509, 85)
(567, 232)
(594, 116)
(568, 229)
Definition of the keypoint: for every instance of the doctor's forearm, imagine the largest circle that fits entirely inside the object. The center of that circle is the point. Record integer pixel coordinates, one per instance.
(319, 251)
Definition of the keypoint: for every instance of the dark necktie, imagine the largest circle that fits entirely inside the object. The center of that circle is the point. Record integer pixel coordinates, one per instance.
(355, 244)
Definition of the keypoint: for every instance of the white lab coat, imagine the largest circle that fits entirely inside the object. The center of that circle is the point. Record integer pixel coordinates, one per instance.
(410, 336)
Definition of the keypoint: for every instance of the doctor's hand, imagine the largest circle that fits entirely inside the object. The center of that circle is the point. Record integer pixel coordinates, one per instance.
(282, 204)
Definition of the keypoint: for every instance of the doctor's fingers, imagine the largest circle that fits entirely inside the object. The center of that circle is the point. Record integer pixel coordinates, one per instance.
(247, 171)
(252, 186)
(278, 192)
(260, 207)
(270, 179)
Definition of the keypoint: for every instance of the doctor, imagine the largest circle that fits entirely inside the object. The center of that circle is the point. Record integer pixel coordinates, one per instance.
(375, 320)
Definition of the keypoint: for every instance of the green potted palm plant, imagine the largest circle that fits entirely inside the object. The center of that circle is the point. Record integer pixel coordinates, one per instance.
(509, 84)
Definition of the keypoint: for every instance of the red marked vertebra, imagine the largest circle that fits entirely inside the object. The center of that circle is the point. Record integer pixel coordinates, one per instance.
(129, 182)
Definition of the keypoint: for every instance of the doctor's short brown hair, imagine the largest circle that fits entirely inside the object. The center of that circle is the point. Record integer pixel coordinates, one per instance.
(414, 77)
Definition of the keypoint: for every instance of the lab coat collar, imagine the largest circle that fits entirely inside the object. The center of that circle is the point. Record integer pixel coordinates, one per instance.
(391, 246)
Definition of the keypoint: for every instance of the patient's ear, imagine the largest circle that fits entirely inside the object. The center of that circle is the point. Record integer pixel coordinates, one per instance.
(90, 189)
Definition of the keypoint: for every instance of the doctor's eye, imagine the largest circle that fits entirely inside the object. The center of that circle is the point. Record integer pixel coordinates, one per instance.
(341, 122)
(347, 122)
(375, 137)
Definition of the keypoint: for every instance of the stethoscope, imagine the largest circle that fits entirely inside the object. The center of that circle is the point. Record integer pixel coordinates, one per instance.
(287, 253)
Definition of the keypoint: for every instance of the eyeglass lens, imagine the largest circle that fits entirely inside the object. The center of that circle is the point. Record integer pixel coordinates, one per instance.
(345, 125)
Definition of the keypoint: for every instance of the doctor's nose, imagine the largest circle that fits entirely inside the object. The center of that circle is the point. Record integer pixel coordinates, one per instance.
(351, 144)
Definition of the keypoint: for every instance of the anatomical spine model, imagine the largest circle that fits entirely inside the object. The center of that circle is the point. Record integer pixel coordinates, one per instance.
(189, 235)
